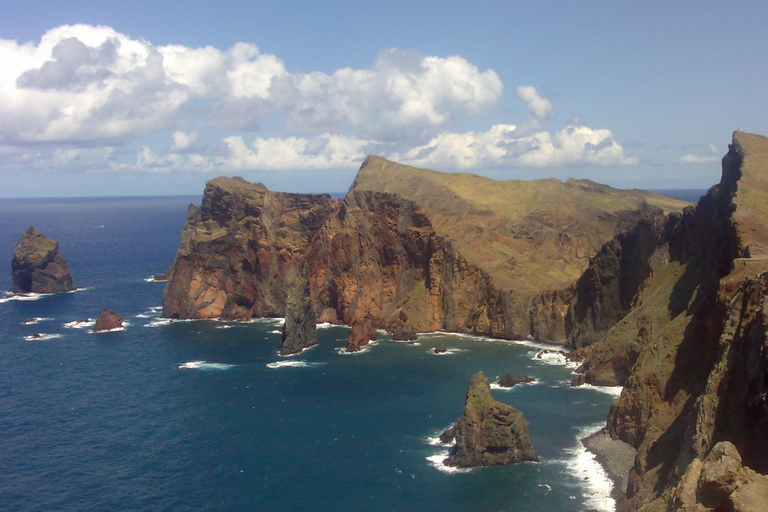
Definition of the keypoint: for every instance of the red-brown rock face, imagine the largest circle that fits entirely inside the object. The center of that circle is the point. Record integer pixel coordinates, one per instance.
(418, 255)
(239, 249)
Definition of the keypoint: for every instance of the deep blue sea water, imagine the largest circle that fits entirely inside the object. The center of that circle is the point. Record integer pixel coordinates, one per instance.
(204, 415)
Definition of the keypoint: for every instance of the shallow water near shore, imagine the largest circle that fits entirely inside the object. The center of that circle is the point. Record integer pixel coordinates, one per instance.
(204, 415)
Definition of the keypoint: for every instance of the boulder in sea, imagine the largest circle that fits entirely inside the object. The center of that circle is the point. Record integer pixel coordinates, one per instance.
(37, 266)
(440, 348)
(489, 433)
(299, 329)
(360, 333)
(108, 320)
(509, 380)
(404, 334)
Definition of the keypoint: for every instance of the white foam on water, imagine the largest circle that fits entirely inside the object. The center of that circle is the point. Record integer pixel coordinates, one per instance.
(437, 461)
(614, 391)
(204, 365)
(448, 351)
(293, 364)
(552, 358)
(142, 315)
(581, 465)
(116, 329)
(35, 320)
(160, 322)
(325, 325)
(276, 331)
(362, 350)
(41, 336)
(496, 386)
(225, 326)
(23, 296)
(156, 308)
(81, 324)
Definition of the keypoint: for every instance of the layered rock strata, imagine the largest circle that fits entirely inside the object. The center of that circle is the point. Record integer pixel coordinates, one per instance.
(38, 267)
(691, 350)
(489, 433)
(407, 250)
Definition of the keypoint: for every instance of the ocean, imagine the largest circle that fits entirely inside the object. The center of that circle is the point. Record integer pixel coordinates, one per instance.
(204, 415)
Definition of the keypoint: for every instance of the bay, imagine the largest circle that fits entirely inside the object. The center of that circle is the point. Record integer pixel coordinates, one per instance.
(204, 415)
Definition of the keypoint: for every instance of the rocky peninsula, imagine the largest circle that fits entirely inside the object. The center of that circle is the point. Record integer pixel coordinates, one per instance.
(664, 298)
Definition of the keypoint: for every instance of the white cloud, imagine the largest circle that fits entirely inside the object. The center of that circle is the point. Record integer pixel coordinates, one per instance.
(705, 155)
(183, 141)
(503, 147)
(85, 97)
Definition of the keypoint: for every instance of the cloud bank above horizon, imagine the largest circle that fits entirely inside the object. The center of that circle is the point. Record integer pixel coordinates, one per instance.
(88, 98)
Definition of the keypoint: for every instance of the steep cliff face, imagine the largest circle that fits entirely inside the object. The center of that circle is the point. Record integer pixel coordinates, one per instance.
(410, 249)
(692, 350)
(239, 250)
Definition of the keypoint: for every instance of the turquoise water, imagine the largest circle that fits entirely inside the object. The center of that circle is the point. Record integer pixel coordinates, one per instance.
(205, 416)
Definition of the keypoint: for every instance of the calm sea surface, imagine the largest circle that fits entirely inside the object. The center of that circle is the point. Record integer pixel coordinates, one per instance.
(110, 422)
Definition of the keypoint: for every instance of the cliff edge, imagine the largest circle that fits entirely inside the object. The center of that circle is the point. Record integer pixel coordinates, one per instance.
(690, 347)
(406, 250)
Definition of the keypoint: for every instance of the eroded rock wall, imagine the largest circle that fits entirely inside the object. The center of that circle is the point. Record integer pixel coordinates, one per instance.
(691, 351)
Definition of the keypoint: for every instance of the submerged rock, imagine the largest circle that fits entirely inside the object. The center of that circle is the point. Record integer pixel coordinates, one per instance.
(509, 380)
(108, 320)
(489, 433)
(37, 266)
(299, 329)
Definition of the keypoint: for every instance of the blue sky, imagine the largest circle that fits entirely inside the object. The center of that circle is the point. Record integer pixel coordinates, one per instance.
(156, 97)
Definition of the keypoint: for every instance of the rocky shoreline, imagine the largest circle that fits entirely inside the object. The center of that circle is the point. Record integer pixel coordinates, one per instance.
(615, 456)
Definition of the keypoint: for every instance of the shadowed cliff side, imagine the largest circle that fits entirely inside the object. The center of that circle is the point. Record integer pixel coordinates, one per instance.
(691, 350)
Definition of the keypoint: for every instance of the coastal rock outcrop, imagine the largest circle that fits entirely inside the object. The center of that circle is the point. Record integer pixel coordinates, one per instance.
(38, 267)
(299, 329)
(411, 250)
(692, 348)
(509, 380)
(237, 249)
(489, 433)
(108, 320)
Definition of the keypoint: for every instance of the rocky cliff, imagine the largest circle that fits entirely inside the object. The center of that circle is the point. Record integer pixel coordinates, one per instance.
(408, 249)
(489, 433)
(678, 306)
(38, 267)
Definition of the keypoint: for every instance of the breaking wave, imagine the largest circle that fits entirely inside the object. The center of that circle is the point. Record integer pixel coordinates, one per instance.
(204, 365)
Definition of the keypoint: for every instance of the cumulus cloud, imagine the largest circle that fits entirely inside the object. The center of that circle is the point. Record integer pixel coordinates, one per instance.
(503, 147)
(183, 141)
(84, 97)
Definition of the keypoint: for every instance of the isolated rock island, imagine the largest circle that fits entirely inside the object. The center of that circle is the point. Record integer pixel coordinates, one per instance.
(489, 433)
(37, 266)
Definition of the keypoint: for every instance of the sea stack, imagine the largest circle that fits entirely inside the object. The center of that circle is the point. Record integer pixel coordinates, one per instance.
(108, 320)
(38, 267)
(300, 329)
(489, 433)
